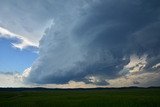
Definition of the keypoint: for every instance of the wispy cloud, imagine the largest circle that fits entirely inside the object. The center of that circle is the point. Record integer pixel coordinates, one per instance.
(24, 42)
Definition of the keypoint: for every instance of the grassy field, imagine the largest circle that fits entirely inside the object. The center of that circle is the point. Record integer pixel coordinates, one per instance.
(82, 98)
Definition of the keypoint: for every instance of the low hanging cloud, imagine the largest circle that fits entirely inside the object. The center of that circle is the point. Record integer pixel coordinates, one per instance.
(96, 39)
(146, 79)
(8, 79)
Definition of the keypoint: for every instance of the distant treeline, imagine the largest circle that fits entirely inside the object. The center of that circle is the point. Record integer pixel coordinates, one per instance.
(52, 89)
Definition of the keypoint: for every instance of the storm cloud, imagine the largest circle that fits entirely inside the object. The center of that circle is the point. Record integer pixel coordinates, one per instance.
(96, 38)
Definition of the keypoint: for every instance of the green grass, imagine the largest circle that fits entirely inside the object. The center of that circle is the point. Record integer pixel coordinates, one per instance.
(82, 98)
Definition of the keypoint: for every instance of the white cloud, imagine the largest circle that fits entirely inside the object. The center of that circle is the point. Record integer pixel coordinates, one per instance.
(27, 22)
(70, 84)
(24, 74)
(11, 80)
(24, 42)
(146, 79)
(136, 63)
(157, 65)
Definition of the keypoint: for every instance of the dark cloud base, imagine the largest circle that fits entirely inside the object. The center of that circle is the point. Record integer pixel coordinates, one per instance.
(98, 40)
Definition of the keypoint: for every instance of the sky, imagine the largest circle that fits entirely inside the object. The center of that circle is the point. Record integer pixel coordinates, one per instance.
(79, 43)
(13, 59)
